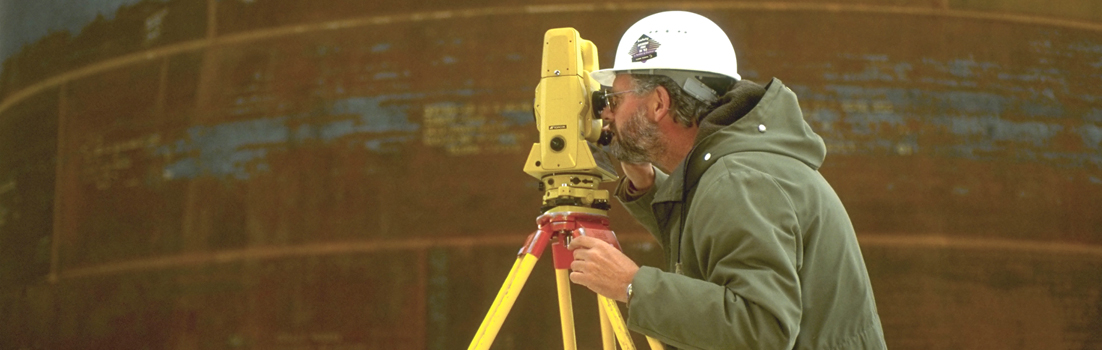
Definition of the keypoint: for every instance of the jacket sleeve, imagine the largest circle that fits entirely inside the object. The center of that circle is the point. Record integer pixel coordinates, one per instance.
(743, 233)
(640, 208)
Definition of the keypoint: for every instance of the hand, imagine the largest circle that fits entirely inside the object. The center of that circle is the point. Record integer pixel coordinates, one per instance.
(641, 175)
(601, 267)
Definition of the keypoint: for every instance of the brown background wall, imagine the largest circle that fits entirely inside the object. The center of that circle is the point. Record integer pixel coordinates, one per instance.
(292, 174)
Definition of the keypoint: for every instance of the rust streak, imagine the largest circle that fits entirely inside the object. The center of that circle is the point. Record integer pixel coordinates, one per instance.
(55, 236)
(527, 9)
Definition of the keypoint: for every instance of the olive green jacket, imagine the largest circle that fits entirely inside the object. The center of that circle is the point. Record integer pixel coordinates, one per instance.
(769, 258)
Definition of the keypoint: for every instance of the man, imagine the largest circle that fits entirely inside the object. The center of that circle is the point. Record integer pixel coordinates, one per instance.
(761, 252)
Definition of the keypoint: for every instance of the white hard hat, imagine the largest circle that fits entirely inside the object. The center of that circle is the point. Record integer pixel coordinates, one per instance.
(678, 44)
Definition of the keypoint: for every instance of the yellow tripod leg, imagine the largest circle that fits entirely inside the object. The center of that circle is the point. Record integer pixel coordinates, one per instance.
(619, 327)
(608, 340)
(566, 311)
(518, 275)
(497, 302)
(655, 344)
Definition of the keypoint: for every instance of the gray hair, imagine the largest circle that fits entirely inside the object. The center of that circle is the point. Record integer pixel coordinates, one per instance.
(687, 110)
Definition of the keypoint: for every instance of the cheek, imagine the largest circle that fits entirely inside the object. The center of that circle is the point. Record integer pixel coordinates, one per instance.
(625, 116)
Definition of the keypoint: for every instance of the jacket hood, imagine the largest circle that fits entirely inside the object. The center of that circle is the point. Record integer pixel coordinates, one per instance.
(774, 124)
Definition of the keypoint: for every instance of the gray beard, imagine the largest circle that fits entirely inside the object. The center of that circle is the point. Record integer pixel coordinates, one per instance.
(638, 140)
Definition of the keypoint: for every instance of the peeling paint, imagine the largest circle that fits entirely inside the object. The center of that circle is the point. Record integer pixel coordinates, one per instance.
(983, 123)
(380, 48)
(1091, 135)
(385, 75)
(238, 149)
(464, 129)
(990, 129)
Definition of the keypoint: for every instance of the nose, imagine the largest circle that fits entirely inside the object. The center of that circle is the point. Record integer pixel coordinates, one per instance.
(606, 115)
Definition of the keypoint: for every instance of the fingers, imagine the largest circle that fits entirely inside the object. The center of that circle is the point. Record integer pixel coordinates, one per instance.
(578, 278)
(581, 254)
(579, 274)
(580, 268)
(576, 265)
(583, 242)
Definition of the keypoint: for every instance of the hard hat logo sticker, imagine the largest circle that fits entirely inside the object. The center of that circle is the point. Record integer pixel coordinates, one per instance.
(645, 48)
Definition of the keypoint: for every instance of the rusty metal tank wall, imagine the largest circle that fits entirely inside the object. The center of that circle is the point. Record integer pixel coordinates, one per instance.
(347, 175)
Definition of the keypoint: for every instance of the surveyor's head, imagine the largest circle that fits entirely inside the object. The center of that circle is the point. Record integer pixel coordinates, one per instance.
(676, 48)
(671, 62)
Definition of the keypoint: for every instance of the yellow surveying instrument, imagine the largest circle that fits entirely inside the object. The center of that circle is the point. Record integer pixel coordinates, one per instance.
(567, 107)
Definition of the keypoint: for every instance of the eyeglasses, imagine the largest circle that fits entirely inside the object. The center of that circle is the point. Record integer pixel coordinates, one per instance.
(611, 99)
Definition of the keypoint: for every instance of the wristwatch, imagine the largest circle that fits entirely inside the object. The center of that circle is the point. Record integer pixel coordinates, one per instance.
(629, 291)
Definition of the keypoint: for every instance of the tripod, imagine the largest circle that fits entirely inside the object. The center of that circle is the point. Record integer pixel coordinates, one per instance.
(569, 166)
(557, 228)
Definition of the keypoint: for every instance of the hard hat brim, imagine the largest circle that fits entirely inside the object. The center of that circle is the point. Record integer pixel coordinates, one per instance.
(607, 76)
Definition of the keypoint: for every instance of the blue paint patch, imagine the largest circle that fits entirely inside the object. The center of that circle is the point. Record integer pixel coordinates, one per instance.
(402, 97)
(960, 191)
(964, 68)
(989, 129)
(387, 145)
(1091, 136)
(464, 92)
(947, 82)
(519, 117)
(876, 119)
(507, 139)
(871, 73)
(1017, 112)
(514, 57)
(187, 168)
(385, 75)
(1095, 180)
(1095, 115)
(335, 130)
(876, 58)
(1086, 47)
(1036, 75)
(448, 59)
(379, 48)
(322, 50)
(822, 121)
(238, 149)
(373, 116)
(224, 149)
(869, 123)
(902, 69)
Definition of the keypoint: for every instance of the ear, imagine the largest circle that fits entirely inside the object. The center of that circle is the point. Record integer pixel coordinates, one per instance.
(660, 105)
